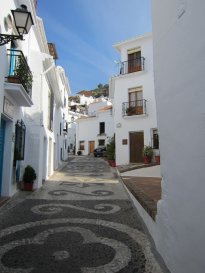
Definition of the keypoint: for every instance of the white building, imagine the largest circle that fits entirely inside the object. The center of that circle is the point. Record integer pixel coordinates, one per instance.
(179, 65)
(29, 108)
(95, 130)
(73, 116)
(133, 97)
(61, 119)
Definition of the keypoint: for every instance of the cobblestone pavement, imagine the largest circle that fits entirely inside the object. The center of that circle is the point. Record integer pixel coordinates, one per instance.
(81, 220)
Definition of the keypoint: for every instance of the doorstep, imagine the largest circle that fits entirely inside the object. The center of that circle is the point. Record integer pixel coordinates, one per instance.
(146, 190)
(134, 166)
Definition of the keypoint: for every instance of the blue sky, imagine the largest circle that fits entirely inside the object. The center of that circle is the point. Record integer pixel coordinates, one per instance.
(84, 32)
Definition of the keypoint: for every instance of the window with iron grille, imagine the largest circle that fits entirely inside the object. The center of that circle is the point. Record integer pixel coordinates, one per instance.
(102, 128)
(19, 146)
(101, 142)
(155, 139)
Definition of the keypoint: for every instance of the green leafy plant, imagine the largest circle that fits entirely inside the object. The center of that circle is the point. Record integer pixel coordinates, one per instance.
(130, 110)
(111, 149)
(148, 151)
(29, 175)
(22, 71)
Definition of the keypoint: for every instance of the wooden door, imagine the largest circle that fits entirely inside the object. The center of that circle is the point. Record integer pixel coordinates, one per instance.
(136, 147)
(91, 147)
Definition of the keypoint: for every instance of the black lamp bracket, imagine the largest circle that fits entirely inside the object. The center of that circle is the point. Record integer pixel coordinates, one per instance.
(6, 38)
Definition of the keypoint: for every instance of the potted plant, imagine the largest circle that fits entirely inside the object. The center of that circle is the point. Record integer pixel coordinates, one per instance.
(22, 74)
(148, 153)
(28, 178)
(79, 152)
(111, 152)
(130, 110)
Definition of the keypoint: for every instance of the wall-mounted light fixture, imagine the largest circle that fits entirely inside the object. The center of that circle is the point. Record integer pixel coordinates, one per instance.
(23, 22)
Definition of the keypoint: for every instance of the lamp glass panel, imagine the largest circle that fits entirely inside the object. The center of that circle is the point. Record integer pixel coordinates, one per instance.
(20, 18)
(29, 23)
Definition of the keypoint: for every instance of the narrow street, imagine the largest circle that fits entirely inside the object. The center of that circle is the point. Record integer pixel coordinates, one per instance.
(81, 220)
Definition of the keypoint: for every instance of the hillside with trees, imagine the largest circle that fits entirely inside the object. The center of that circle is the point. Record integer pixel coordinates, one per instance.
(100, 90)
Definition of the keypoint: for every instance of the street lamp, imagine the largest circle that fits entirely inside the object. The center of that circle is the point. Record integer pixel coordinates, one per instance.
(23, 22)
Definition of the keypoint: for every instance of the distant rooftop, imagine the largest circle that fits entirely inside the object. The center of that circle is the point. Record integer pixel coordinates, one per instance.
(105, 108)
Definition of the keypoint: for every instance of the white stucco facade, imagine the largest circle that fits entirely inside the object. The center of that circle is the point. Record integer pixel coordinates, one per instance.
(88, 130)
(179, 63)
(120, 89)
(33, 110)
(85, 99)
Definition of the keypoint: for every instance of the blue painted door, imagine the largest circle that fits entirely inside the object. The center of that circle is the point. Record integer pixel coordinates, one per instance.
(2, 136)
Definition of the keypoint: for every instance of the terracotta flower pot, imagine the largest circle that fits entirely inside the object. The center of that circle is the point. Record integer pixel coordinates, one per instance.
(157, 159)
(112, 163)
(28, 186)
(147, 159)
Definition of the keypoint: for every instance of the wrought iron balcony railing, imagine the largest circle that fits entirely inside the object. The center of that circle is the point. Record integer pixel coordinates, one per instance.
(19, 71)
(131, 66)
(131, 108)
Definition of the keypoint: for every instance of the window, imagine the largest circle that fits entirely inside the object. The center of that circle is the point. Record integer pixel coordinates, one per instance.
(155, 139)
(102, 128)
(65, 126)
(101, 142)
(82, 145)
(20, 132)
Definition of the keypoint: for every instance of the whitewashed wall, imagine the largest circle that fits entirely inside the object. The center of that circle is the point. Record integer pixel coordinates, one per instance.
(88, 129)
(9, 186)
(119, 86)
(179, 62)
(40, 141)
(96, 105)
(86, 100)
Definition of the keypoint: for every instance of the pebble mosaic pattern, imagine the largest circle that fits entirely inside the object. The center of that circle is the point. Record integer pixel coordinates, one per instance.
(55, 231)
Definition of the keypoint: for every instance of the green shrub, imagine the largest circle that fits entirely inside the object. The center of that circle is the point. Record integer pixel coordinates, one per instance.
(29, 175)
(111, 149)
(148, 151)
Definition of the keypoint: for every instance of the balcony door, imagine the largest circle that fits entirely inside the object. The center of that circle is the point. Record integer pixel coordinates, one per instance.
(134, 61)
(12, 60)
(136, 100)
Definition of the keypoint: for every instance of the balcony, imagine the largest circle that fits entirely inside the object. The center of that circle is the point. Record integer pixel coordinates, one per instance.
(19, 79)
(132, 66)
(132, 108)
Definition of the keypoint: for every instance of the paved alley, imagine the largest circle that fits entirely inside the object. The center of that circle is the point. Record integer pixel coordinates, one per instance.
(81, 220)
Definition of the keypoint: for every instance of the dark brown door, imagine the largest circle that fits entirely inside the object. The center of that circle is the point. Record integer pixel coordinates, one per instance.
(136, 147)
